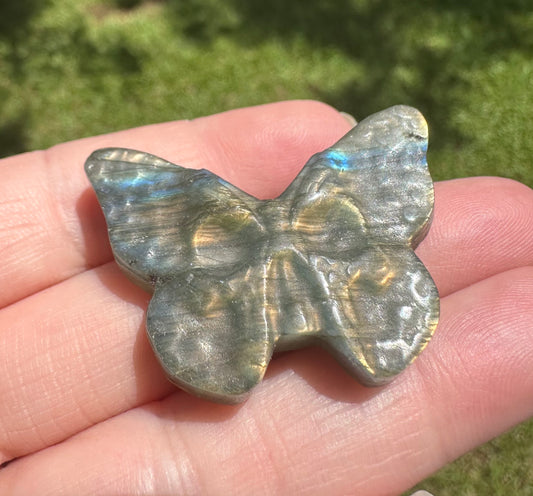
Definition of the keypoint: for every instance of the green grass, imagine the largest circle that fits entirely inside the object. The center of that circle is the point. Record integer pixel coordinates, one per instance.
(503, 467)
(74, 68)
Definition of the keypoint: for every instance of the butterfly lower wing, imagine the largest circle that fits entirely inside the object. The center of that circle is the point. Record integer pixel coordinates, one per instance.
(386, 312)
(210, 335)
(163, 218)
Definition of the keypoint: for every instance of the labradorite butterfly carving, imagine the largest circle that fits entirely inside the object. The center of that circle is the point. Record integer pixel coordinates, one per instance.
(234, 278)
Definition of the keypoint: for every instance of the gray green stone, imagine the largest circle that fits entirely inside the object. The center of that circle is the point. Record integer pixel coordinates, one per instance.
(329, 262)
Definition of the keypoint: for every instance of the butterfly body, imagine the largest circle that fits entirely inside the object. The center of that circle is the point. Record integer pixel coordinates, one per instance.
(329, 262)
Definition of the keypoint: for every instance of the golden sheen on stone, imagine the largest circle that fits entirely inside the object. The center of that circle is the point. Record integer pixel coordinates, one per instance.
(329, 262)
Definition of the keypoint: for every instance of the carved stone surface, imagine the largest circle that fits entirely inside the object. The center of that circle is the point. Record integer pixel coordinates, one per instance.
(329, 262)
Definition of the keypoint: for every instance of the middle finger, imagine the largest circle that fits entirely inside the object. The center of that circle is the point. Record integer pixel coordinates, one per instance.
(76, 353)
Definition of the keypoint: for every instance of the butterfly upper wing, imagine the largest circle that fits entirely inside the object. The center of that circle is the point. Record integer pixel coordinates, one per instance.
(195, 241)
(360, 207)
(380, 166)
(163, 218)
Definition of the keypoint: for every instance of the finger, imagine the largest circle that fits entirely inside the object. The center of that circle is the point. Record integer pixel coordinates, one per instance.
(71, 356)
(52, 227)
(309, 428)
(84, 357)
(482, 226)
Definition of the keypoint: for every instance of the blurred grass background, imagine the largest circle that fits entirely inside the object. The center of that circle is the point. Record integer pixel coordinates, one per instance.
(74, 68)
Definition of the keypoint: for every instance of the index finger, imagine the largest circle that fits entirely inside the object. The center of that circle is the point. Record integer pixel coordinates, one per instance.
(52, 226)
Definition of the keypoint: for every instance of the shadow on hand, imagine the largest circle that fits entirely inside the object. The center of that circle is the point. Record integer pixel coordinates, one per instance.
(315, 366)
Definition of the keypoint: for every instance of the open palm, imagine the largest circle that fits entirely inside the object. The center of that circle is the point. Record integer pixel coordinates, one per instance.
(86, 409)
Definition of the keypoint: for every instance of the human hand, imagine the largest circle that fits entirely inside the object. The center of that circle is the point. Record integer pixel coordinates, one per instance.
(86, 408)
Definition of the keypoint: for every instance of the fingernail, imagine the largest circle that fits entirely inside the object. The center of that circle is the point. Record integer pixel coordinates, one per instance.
(350, 118)
(421, 493)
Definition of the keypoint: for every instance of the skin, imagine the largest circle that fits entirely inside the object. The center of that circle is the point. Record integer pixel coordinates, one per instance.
(87, 410)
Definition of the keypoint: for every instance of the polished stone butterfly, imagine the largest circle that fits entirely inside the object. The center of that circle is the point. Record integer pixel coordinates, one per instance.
(329, 262)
